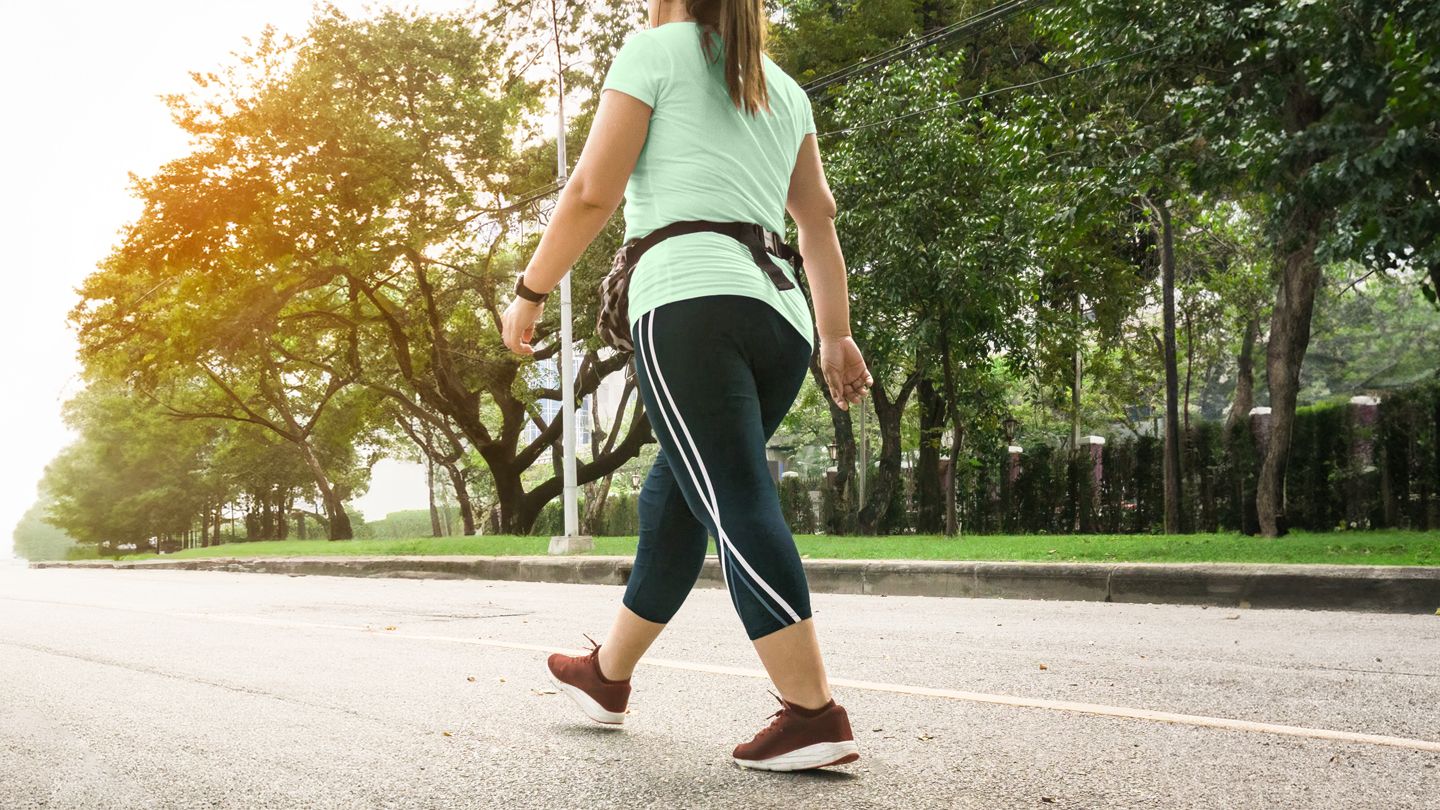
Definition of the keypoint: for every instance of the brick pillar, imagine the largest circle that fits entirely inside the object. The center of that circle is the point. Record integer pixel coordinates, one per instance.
(1005, 491)
(1092, 454)
(1364, 415)
(1361, 481)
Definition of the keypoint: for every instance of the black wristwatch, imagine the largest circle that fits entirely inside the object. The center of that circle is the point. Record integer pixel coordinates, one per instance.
(527, 293)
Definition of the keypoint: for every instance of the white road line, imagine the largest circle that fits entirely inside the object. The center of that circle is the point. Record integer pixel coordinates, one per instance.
(899, 689)
(875, 686)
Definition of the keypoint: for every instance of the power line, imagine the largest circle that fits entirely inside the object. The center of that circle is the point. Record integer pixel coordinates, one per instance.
(522, 201)
(975, 24)
(996, 91)
(896, 51)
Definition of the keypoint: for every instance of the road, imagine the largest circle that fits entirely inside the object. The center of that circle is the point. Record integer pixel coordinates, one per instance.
(187, 688)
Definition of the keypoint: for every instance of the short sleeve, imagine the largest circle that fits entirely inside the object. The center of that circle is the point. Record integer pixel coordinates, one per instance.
(807, 123)
(639, 69)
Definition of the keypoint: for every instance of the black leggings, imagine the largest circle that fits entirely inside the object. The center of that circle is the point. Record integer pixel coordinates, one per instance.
(717, 373)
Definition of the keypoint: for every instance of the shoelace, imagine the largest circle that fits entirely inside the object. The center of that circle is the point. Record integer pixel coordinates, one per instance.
(778, 718)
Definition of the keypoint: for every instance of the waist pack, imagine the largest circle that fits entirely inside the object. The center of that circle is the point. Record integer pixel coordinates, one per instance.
(612, 322)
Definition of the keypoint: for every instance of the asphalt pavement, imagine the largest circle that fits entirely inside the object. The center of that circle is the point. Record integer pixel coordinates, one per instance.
(215, 689)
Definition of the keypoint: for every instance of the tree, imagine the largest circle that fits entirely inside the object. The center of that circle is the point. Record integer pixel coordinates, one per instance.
(1318, 109)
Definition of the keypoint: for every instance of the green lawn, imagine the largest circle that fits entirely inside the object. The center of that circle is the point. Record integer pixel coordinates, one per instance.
(1366, 548)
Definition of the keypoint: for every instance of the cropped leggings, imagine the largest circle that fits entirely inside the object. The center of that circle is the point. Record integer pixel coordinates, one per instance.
(716, 374)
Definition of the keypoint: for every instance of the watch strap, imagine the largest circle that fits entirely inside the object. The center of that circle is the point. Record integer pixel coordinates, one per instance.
(527, 293)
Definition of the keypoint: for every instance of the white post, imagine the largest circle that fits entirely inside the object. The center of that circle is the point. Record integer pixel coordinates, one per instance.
(570, 542)
(864, 452)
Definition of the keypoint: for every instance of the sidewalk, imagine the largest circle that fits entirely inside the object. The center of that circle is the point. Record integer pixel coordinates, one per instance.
(1383, 589)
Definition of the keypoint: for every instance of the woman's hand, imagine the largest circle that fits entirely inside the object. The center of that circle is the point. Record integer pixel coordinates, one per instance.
(844, 370)
(517, 324)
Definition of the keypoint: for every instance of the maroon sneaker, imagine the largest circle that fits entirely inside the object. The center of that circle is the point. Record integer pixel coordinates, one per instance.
(800, 738)
(578, 676)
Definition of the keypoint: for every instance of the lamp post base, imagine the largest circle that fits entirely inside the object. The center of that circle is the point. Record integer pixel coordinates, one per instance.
(571, 544)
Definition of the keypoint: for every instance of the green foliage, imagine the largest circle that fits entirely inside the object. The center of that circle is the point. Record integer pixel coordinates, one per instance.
(36, 538)
(1324, 105)
(621, 517)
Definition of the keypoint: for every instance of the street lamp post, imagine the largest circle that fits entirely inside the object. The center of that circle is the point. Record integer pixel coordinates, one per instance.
(571, 541)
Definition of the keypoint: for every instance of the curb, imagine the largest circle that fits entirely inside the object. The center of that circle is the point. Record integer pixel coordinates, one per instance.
(1379, 588)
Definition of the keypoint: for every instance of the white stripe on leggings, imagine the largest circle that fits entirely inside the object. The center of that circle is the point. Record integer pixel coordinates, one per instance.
(712, 505)
(727, 561)
(646, 361)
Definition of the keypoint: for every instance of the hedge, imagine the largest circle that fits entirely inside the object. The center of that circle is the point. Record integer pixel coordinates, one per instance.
(1328, 486)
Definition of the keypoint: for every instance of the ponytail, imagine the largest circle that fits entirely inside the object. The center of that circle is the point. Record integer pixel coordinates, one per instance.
(742, 27)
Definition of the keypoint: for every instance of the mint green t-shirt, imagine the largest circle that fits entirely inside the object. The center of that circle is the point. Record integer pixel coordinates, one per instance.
(704, 158)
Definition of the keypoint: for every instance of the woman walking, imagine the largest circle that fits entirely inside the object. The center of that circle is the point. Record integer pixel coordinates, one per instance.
(708, 139)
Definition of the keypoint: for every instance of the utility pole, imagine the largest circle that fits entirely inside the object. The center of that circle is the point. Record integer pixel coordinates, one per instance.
(570, 542)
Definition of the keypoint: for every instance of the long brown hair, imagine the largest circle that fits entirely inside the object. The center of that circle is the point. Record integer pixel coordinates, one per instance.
(742, 27)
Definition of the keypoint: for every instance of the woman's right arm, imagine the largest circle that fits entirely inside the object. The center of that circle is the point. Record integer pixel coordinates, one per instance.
(812, 206)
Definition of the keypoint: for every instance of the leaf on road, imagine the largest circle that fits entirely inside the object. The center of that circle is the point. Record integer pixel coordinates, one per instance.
(470, 678)
(1042, 666)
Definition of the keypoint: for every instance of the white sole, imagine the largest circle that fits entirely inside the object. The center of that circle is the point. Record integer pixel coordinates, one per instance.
(587, 704)
(811, 756)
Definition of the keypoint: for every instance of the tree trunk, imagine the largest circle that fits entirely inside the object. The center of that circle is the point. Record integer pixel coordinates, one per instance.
(1289, 339)
(267, 515)
(462, 497)
(430, 492)
(1244, 375)
(929, 491)
(841, 519)
(592, 522)
(287, 499)
(1161, 208)
(597, 491)
(888, 413)
(1189, 374)
(339, 522)
(952, 513)
(957, 438)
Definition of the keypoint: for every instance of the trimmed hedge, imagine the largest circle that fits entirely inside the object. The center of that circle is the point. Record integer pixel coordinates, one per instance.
(1328, 485)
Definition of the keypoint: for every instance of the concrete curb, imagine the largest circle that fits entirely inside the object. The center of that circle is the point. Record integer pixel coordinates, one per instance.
(1379, 588)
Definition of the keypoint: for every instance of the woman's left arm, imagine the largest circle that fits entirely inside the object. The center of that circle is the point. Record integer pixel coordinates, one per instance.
(586, 203)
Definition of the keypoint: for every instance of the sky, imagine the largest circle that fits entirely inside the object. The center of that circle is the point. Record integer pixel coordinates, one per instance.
(80, 106)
